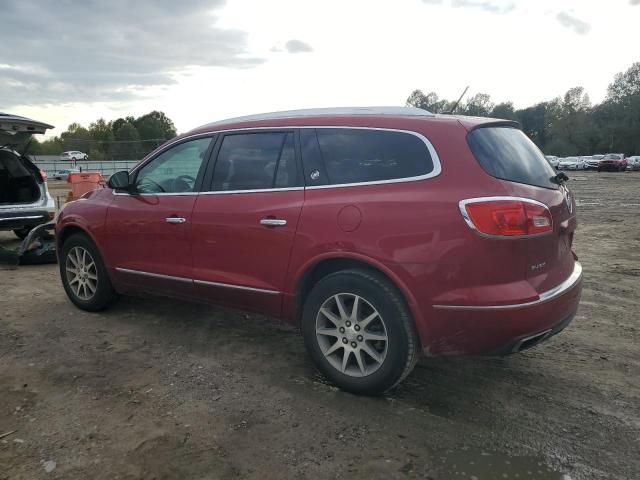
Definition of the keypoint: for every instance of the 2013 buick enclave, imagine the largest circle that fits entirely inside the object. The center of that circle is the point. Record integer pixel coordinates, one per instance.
(381, 232)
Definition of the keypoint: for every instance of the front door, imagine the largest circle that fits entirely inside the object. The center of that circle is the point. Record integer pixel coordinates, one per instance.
(244, 226)
(149, 229)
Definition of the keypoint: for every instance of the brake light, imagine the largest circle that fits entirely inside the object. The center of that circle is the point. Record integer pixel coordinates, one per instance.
(507, 217)
(43, 175)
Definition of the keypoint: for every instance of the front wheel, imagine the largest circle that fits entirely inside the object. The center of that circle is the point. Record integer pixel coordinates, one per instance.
(84, 276)
(359, 332)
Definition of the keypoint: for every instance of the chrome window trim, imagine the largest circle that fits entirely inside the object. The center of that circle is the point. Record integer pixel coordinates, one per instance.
(220, 192)
(258, 190)
(195, 282)
(437, 166)
(159, 194)
(555, 292)
(465, 215)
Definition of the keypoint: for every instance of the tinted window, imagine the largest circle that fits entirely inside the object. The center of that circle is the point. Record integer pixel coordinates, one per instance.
(508, 154)
(352, 156)
(175, 170)
(314, 171)
(252, 161)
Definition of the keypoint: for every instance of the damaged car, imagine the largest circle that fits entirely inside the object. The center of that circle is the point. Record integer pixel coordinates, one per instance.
(25, 201)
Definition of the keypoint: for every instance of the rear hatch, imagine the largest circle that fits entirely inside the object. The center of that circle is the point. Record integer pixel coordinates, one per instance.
(506, 153)
(21, 183)
(15, 131)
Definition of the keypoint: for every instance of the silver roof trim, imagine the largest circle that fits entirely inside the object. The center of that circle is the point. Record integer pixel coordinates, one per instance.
(317, 112)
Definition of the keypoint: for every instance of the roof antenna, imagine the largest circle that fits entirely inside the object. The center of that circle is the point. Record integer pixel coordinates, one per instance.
(455, 105)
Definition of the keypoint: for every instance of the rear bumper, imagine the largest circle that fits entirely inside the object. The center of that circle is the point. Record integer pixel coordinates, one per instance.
(28, 218)
(502, 329)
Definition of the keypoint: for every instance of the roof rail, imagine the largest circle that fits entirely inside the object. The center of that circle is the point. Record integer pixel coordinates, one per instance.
(316, 112)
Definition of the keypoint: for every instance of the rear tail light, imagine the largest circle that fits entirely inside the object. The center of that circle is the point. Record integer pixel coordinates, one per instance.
(506, 216)
(43, 175)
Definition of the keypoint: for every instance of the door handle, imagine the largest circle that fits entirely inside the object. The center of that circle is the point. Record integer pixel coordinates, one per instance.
(175, 220)
(273, 222)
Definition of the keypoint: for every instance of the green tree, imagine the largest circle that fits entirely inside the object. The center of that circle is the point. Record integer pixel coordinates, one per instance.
(127, 144)
(505, 111)
(76, 137)
(102, 140)
(155, 125)
(625, 85)
(480, 105)
(431, 101)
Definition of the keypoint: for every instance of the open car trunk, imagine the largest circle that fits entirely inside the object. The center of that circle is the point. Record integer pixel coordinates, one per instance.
(18, 182)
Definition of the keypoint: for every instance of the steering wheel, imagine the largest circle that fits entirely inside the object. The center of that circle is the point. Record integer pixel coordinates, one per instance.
(188, 179)
(151, 181)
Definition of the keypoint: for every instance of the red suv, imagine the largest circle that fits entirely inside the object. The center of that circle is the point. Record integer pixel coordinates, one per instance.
(381, 232)
(613, 162)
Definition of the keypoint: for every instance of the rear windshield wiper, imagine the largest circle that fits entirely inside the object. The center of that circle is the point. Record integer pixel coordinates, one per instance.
(560, 178)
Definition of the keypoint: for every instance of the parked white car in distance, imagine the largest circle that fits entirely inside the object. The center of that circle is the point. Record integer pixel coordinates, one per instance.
(572, 163)
(553, 160)
(633, 163)
(73, 155)
(63, 174)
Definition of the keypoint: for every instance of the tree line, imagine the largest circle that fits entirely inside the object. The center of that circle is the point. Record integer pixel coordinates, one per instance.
(126, 138)
(567, 125)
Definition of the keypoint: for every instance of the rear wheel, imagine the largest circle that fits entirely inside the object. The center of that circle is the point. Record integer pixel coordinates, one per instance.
(22, 233)
(358, 331)
(84, 275)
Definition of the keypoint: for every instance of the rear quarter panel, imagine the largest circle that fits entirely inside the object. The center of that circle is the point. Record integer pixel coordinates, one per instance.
(415, 230)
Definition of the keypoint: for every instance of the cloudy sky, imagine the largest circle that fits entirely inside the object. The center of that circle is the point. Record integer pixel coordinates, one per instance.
(204, 60)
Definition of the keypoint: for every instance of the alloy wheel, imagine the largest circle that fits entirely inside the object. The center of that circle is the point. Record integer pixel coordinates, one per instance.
(351, 334)
(82, 273)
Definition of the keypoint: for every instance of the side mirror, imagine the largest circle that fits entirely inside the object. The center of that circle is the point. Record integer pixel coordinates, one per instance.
(119, 181)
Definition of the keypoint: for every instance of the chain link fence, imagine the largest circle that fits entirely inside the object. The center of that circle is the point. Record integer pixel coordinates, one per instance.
(51, 164)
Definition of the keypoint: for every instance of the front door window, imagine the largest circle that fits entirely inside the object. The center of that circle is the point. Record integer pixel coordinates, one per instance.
(175, 170)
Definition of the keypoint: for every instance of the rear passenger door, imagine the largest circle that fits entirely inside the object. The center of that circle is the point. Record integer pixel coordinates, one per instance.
(244, 225)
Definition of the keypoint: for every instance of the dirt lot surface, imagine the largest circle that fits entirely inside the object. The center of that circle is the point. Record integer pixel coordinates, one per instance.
(156, 388)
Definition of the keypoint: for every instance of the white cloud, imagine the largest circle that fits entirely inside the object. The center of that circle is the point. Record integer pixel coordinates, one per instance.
(363, 52)
(573, 23)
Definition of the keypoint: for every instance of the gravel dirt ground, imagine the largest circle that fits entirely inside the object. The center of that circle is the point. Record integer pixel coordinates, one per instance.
(160, 389)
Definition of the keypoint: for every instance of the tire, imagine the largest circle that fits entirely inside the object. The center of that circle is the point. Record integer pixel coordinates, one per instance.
(396, 356)
(103, 294)
(22, 233)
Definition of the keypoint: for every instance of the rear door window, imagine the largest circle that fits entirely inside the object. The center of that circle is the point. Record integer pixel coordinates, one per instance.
(256, 161)
(367, 155)
(508, 154)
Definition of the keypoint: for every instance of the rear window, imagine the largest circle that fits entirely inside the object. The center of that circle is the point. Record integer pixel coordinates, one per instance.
(362, 155)
(508, 154)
